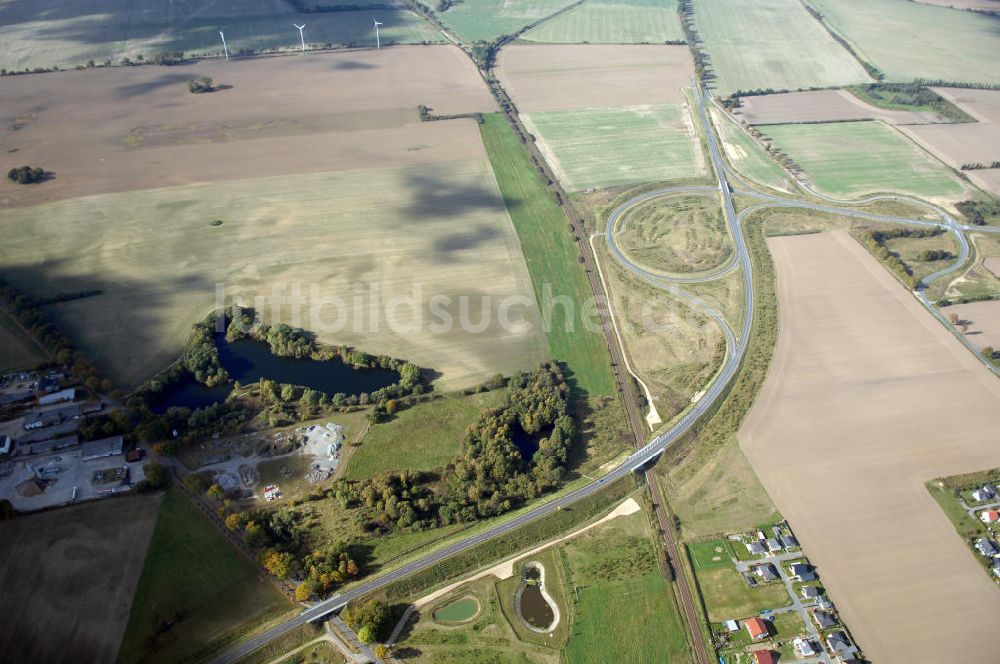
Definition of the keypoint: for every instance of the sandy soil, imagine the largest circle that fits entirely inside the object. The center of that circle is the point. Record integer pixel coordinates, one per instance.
(112, 130)
(559, 78)
(822, 106)
(68, 578)
(983, 319)
(868, 398)
(958, 144)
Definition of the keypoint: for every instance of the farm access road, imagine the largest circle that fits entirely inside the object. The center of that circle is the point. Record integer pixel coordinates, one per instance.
(737, 344)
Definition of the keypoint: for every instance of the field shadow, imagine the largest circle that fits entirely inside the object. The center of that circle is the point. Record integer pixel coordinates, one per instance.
(353, 64)
(436, 198)
(165, 80)
(470, 239)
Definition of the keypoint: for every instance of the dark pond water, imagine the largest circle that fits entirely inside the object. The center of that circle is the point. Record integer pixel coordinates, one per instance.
(248, 361)
(534, 609)
(526, 443)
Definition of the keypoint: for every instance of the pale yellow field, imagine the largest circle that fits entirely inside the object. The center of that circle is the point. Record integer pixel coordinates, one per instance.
(868, 398)
(561, 78)
(424, 230)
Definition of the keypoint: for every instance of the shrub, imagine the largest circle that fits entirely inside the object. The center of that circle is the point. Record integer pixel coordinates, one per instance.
(26, 174)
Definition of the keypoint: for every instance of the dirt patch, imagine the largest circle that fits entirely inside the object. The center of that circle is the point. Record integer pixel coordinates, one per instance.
(868, 398)
(822, 106)
(104, 130)
(68, 578)
(561, 78)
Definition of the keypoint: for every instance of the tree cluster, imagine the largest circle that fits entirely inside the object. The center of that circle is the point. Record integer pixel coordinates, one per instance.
(26, 174)
(980, 213)
(201, 356)
(978, 165)
(204, 84)
(929, 255)
(371, 620)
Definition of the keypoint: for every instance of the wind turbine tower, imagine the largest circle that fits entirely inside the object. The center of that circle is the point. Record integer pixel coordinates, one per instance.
(378, 41)
(301, 38)
(224, 47)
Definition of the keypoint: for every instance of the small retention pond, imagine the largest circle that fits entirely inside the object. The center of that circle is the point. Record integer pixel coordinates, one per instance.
(248, 361)
(533, 605)
(460, 610)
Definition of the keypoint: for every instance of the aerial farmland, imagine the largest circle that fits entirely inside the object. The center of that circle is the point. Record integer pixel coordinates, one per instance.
(498, 332)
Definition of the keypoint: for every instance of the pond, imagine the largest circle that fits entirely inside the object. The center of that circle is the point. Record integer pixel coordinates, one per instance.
(458, 611)
(248, 361)
(526, 443)
(533, 605)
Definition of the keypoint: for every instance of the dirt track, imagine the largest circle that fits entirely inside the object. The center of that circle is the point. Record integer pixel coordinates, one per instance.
(868, 398)
(68, 578)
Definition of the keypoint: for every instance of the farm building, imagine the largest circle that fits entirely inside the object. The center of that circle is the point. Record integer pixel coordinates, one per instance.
(53, 444)
(44, 418)
(757, 629)
(106, 447)
(57, 397)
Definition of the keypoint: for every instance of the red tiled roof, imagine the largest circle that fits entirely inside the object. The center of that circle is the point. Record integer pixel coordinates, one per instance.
(757, 628)
(764, 657)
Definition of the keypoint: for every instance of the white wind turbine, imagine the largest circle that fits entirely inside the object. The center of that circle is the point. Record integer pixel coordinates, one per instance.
(378, 42)
(224, 47)
(301, 38)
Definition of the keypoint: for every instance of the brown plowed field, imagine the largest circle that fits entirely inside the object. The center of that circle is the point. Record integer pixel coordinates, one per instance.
(821, 106)
(113, 130)
(561, 78)
(68, 578)
(868, 398)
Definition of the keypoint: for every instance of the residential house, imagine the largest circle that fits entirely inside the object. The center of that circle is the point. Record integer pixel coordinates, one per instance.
(987, 547)
(765, 657)
(801, 572)
(824, 619)
(990, 516)
(757, 628)
(824, 602)
(838, 643)
(766, 572)
(756, 548)
(984, 493)
(810, 592)
(788, 541)
(773, 545)
(803, 647)
(995, 569)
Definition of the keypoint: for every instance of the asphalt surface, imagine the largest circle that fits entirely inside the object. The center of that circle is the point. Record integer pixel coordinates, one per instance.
(736, 349)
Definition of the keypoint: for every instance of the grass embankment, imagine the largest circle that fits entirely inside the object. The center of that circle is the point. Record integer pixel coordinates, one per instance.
(552, 258)
(708, 481)
(195, 587)
(746, 155)
(423, 437)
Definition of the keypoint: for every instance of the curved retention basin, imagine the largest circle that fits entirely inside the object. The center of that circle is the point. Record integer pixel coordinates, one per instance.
(533, 605)
(460, 610)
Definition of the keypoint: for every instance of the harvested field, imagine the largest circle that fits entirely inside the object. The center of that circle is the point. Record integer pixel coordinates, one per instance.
(608, 147)
(853, 158)
(104, 131)
(319, 231)
(562, 78)
(908, 40)
(612, 22)
(967, 143)
(485, 20)
(68, 33)
(871, 397)
(975, 5)
(773, 44)
(983, 319)
(822, 106)
(68, 578)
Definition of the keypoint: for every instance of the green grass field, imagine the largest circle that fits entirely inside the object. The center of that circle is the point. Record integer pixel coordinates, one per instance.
(551, 256)
(612, 22)
(17, 349)
(195, 577)
(852, 158)
(746, 156)
(71, 32)
(908, 40)
(771, 44)
(727, 596)
(423, 437)
(622, 592)
(157, 259)
(609, 147)
(710, 555)
(485, 20)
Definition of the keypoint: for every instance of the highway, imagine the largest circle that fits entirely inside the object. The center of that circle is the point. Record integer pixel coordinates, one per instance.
(737, 344)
